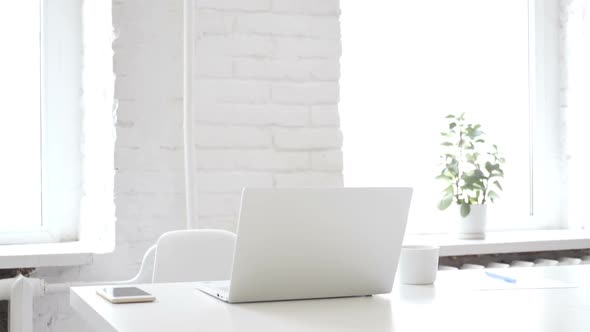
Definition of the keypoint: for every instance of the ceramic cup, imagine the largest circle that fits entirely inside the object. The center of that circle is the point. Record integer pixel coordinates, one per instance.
(418, 264)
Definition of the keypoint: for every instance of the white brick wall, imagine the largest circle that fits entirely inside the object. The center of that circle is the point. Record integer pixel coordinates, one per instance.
(266, 94)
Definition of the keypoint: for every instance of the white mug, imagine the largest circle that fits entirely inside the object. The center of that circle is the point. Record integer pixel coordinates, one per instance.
(418, 264)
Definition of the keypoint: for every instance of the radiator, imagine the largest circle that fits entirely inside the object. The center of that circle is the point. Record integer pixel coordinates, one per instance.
(519, 263)
(20, 291)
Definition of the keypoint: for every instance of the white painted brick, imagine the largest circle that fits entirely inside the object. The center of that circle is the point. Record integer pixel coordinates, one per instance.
(230, 91)
(149, 182)
(259, 115)
(126, 63)
(297, 48)
(252, 160)
(228, 223)
(128, 88)
(309, 180)
(144, 206)
(322, 69)
(283, 25)
(330, 160)
(213, 66)
(233, 114)
(291, 69)
(239, 45)
(135, 136)
(232, 136)
(219, 204)
(306, 93)
(307, 6)
(307, 138)
(147, 110)
(220, 181)
(254, 5)
(212, 22)
(290, 115)
(325, 115)
(270, 69)
(149, 158)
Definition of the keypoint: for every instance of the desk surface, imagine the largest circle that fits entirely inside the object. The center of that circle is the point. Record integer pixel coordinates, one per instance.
(451, 304)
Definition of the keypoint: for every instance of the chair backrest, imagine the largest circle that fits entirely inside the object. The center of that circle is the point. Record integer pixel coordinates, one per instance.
(194, 255)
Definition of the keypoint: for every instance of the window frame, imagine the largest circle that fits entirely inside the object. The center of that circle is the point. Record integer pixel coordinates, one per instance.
(61, 82)
(546, 149)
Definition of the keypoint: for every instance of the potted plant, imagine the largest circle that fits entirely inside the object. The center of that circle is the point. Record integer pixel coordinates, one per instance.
(472, 172)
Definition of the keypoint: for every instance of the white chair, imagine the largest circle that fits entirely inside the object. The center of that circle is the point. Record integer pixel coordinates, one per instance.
(188, 255)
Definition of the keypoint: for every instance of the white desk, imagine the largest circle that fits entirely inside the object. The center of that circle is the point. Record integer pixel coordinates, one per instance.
(450, 305)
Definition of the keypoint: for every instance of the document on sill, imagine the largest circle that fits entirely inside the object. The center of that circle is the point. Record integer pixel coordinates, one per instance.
(525, 282)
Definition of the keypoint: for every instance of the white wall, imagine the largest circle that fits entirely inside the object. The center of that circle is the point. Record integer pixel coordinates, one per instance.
(266, 89)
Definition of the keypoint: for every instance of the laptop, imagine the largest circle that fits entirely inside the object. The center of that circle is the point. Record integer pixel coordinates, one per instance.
(311, 243)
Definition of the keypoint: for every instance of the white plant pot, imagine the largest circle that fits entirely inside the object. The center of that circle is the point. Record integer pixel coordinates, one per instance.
(472, 227)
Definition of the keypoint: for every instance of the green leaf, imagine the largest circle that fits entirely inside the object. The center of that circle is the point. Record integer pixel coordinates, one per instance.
(465, 209)
(489, 167)
(450, 116)
(492, 194)
(444, 177)
(478, 174)
(446, 144)
(497, 183)
(452, 125)
(449, 191)
(453, 167)
(445, 202)
(473, 133)
(451, 156)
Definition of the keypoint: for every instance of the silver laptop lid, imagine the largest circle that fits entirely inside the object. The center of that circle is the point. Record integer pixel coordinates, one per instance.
(317, 242)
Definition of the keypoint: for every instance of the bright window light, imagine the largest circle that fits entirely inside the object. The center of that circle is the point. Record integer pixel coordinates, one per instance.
(405, 66)
(20, 115)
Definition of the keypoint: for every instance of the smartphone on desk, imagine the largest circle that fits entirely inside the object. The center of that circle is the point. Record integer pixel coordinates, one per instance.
(125, 294)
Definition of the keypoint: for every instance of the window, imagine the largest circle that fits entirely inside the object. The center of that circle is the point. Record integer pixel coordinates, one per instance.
(406, 65)
(40, 120)
(20, 101)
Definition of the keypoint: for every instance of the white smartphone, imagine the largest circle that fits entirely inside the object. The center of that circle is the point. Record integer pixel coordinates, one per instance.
(125, 294)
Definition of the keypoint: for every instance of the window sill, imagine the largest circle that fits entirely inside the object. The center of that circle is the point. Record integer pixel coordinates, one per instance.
(505, 242)
(45, 254)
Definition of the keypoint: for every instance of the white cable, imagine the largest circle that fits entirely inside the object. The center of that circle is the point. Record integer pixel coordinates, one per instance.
(190, 167)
